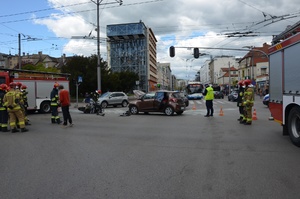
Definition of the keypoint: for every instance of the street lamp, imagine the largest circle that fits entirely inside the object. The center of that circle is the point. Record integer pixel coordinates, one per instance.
(98, 39)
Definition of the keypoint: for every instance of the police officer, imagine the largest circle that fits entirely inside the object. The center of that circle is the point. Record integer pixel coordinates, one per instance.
(248, 102)
(240, 100)
(12, 102)
(54, 104)
(209, 97)
(3, 110)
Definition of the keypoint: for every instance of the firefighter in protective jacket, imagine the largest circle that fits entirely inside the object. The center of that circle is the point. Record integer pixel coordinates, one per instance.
(3, 110)
(240, 100)
(12, 100)
(54, 104)
(248, 102)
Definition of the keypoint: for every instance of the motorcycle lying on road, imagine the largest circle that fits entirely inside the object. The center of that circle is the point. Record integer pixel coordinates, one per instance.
(92, 107)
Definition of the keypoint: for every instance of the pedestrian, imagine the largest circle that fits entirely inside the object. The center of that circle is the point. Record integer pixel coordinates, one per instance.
(3, 109)
(240, 100)
(87, 98)
(209, 97)
(12, 101)
(248, 102)
(64, 99)
(55, 119)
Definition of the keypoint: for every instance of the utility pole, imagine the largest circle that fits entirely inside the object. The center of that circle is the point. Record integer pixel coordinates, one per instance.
(98, 40)
(19, 58)
(229, 84)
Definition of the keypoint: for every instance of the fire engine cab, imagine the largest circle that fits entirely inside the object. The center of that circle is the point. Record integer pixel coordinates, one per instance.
(39, 85)
(284, 85)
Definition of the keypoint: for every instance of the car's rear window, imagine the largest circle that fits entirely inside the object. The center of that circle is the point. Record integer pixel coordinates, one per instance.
(176, 95)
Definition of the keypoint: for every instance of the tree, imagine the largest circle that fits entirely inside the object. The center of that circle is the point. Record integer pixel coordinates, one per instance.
(86, 67)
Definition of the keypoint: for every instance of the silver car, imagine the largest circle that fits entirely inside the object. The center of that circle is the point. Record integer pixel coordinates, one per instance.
(113, 99)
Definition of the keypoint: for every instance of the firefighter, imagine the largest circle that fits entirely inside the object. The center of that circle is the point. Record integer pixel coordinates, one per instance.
(12, 101)
(25, 103)
(3, 110)
(240, 100)
(54, 104)
(248, 102)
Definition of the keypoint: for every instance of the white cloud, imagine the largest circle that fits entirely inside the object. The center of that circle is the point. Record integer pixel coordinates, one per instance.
(180, 23)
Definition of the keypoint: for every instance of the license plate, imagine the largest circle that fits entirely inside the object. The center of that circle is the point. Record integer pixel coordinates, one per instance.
(182, 108)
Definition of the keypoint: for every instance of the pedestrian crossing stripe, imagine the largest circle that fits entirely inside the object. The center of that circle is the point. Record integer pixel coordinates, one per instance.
(203, 102)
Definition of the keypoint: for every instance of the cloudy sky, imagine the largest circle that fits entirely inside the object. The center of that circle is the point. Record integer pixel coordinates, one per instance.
(49, 25)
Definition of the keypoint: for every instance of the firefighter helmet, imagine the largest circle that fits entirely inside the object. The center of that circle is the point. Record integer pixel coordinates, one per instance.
(247, 82)
(99, 91)
(19, 84)
(56, 85)
(23, 86)
(241, 83)
(3, 87)
(12, 85)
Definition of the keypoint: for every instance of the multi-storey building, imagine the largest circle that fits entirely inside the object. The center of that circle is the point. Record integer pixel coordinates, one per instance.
(219, 62)
(132, 47)
(254, 66)
(164, 79)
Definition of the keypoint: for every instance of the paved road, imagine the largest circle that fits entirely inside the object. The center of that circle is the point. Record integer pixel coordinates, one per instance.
(150, 156)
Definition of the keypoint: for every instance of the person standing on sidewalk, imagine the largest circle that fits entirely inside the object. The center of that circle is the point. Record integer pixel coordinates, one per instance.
(209, 97)
(64, 99)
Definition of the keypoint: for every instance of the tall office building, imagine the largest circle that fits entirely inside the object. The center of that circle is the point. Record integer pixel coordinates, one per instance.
(132, 47)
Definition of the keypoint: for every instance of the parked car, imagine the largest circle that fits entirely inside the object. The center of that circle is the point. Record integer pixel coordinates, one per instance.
(218, 95)
(266, 99)
(168, 102)
(113, 99)
(233, 96)
(195, 96)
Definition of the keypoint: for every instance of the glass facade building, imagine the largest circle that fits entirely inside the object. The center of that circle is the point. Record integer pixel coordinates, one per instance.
(130, 48)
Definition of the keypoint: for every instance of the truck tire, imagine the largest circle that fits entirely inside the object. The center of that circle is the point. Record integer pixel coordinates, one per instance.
(294, 125)
(45, 107)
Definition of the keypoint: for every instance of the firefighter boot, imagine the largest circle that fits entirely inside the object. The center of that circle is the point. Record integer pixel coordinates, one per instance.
(58, 121)
(23, 130)
(4, 129)
(53, 121)
(14, 130)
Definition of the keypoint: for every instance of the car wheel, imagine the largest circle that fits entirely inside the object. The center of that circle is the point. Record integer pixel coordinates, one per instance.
(124, 103)
(294, 126)
(104, 104)
(169, 111)
(133, 110)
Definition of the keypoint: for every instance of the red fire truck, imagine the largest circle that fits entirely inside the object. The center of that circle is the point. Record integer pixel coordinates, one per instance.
(284, 63)
(39, 85)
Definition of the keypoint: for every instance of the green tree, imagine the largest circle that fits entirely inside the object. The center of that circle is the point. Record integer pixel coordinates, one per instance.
(86, 67)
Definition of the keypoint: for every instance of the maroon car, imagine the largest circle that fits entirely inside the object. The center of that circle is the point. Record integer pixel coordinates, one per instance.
(168, 102)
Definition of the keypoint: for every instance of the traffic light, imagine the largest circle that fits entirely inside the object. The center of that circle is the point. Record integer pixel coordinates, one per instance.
(172, 51)
(196, 53)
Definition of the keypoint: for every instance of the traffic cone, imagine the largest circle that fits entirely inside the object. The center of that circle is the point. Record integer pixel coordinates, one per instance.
(194, 107)
(221, 112)
(254, 117)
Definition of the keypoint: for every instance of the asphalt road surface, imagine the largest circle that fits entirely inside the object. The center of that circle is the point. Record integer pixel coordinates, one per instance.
(150, 156)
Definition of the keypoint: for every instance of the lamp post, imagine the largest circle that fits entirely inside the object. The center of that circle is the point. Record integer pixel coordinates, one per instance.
(98, 39)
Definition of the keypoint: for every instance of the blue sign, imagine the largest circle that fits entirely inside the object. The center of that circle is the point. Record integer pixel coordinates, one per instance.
(79, 79)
